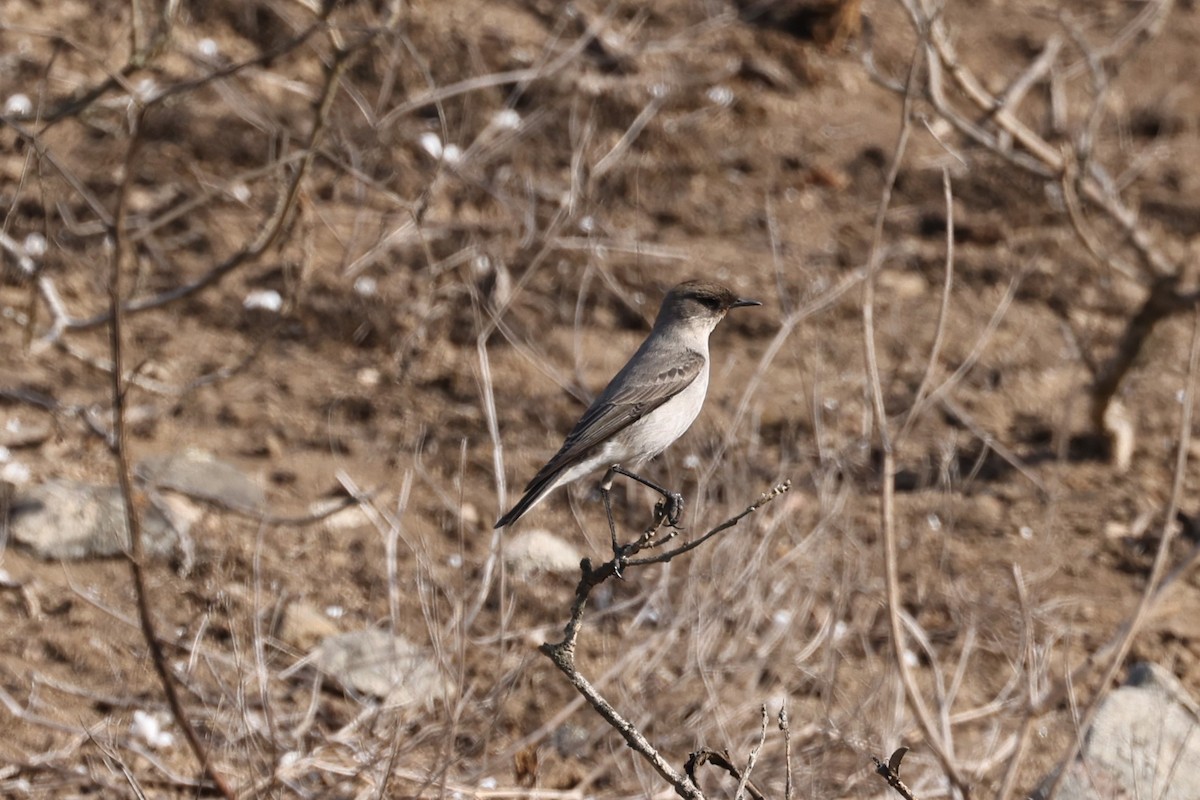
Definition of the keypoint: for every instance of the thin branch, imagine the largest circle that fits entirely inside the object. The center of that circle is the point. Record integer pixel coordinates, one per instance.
(613, 156)
(1035, 73)
(562, 653)
(1039, 156)
(517, 76)
(1027, 650)
(935, 349)
(1146, 602)
(762, 500)
(991, 442)
(136, 554)
(751, 760)
(788, 786)
(722, 760)
(888, 470)
(890, 772)
(268, 233)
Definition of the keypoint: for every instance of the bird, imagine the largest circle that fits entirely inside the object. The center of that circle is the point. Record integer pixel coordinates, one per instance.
(649, 404)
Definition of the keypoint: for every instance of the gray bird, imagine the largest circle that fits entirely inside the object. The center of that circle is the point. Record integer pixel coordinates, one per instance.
(648, 405)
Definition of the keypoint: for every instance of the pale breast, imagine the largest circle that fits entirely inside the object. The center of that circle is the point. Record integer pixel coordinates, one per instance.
(654, 432)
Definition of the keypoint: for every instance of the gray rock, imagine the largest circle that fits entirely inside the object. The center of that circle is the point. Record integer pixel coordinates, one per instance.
(63, 519)
(1144, 743)
(198, 474)
(388, 667)
(540, 551)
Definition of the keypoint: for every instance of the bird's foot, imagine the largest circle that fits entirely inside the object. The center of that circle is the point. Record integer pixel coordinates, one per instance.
(620, 559)
(670, 509)
(674, 509)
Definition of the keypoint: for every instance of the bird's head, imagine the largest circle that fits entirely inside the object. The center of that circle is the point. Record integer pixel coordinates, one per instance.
(704, 302)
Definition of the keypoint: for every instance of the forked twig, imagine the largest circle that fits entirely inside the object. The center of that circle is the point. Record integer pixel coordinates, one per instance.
(722, 760)
(269, 231)
(562, 653)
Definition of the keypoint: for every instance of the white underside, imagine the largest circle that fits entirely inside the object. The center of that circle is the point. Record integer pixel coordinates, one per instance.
(645, 438)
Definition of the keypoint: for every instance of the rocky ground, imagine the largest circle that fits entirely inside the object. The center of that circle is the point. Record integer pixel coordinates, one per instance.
(498, 196)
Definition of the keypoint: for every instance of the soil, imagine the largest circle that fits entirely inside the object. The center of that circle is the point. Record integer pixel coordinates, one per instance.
(445, 321)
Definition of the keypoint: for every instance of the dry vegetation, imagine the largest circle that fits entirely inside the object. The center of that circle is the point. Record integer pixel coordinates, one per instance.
(972, 231)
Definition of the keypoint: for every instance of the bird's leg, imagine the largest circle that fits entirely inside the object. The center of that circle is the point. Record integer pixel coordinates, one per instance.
(672, 505)
(618, 550)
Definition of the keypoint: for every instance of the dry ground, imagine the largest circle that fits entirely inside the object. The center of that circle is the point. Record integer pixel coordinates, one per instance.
(682, 142)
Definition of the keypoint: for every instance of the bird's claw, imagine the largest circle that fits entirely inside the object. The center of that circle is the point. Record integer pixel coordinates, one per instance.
(670, 509)
(620, 559)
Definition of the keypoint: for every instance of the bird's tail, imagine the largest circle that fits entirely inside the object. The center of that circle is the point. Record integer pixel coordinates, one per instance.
(538, 488)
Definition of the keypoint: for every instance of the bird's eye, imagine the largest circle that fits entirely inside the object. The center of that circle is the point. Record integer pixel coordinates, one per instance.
(711, 302)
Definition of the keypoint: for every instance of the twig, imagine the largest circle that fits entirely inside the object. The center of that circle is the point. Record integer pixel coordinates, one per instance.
(267, 235)
(517, 76)
(1041, 158)
(613, 156)
(788, 787)
(1027, 653)
(563, 657)
(762, 500)
(789, 324)
(1012, 459)
(981, 343)
(939, 334)
(890, 772)
(1017, 90)
(888, 470)
(751, 760)
(135, 554)
(721, 760)
(1142, 612)
(24, 261)
(562, 653)
(1091, 243)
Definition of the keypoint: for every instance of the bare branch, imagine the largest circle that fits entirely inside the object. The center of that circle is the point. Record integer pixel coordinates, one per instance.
(722, 760)
(562, 653)
(890, 772)
(1158, 569)
(888, 467)
(135, 554)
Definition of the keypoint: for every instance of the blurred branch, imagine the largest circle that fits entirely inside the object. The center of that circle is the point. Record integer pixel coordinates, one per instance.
(508, 78)
(135, 554)
(268, 233)
(117, 80)
(1157, 571)
(958, 96)
(939, 333)
(1029, 660)
(887, 476)
(562, 653)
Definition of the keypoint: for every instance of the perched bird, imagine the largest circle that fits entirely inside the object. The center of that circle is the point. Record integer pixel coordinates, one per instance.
(647, 406)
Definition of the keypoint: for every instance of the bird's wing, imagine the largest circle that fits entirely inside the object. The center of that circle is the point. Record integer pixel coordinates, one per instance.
(615, 411)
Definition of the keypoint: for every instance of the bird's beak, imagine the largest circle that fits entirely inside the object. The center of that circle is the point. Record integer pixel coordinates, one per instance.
(742, 302)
